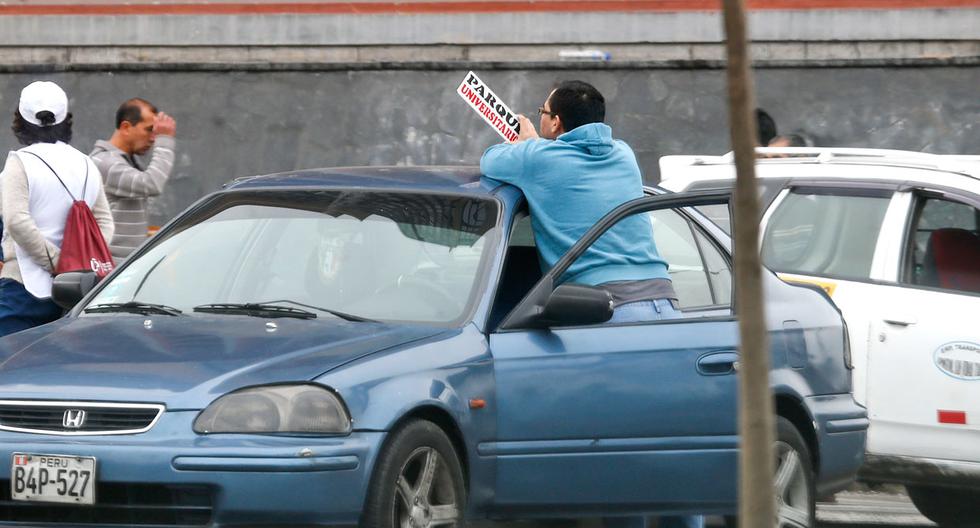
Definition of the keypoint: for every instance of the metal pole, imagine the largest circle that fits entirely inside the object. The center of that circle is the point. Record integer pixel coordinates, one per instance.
(756, 429)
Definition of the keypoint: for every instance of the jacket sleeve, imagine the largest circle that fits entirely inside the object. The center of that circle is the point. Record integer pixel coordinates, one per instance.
(507, 162)
(103, 216)
(17, 219)
(122, 179)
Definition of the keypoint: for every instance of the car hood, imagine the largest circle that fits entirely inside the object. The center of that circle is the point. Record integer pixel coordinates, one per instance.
(182, 362)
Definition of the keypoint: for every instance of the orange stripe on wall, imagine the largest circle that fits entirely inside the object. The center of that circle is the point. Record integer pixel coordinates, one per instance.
(451, 7)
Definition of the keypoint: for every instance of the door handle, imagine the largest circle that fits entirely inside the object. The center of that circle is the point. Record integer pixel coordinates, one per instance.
(718, 363)
(900, 319)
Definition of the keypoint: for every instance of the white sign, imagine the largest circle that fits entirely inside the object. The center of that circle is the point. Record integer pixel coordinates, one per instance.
(489, 106)
(959, 359)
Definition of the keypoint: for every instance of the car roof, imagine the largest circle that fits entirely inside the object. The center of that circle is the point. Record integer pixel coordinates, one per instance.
(679, 172)
(461, 179)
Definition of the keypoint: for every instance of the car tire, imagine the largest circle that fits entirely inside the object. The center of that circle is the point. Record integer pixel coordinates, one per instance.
(947, 507)
(796, 503)
(417, 481)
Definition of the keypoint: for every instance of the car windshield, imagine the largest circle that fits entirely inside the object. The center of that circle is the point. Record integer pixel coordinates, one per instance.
(359, 255)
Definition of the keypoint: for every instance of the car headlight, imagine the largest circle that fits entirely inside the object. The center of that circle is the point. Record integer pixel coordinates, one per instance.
(302, 409)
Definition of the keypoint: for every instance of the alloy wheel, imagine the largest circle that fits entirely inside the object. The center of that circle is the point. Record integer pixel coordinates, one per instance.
(792, 489)
(424, 493)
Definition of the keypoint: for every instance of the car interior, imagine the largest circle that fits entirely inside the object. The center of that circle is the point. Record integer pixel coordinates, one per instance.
(946, 246)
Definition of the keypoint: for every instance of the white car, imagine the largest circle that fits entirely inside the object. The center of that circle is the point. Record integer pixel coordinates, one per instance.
(894, 239)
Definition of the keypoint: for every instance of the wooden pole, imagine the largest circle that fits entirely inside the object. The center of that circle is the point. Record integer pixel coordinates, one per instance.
(756, 429)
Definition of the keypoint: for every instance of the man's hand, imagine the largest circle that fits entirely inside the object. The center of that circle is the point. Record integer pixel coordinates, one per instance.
(527, 129)
(164, 125)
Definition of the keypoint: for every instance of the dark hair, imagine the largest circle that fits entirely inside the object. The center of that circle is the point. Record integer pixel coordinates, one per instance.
(131, 111)
(577, 103)
(766, 125)
(29, 133)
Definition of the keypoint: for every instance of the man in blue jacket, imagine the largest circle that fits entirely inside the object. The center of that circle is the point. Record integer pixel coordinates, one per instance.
(572, 175)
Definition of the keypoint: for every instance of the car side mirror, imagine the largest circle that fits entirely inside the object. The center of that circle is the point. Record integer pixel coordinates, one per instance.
(577, 304)
(69, 288)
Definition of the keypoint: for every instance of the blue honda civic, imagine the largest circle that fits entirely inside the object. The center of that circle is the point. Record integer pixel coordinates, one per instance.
(380, 347)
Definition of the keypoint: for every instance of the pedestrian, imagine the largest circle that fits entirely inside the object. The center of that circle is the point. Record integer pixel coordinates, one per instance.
(139, 127)
(766, 127)
(572, 175)
(789, 140)
(35, 204)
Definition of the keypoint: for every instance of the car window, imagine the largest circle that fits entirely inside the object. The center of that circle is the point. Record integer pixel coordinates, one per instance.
(387, 256)
(718, 269)
(944, 246)
(522, 269)
(700, 275)
(719, 214)
(820, 233)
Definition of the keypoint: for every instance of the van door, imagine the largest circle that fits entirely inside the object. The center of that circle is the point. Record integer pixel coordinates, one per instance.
(924, 391)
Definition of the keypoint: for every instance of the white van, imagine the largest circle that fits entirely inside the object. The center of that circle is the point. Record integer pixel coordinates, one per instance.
(894, 239)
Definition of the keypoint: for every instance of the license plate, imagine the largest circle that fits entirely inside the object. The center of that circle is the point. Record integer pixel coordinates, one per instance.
(52, 478)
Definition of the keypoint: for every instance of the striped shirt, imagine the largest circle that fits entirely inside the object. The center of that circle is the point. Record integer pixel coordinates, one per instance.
(127, 188)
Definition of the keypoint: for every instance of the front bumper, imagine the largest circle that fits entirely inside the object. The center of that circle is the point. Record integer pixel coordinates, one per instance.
(170, 475)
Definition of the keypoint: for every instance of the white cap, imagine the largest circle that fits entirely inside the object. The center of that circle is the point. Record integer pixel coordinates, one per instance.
(40, 96)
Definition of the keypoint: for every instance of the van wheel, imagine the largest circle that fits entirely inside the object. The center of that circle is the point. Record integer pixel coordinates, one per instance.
(947, 507)
(796, 503)
(417, 482)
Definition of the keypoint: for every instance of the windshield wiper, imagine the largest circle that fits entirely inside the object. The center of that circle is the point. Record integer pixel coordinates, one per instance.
(336, 313)
(137, 307)
(255, 310)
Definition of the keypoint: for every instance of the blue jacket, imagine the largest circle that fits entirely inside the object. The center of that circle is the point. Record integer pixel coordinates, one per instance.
(570, 183)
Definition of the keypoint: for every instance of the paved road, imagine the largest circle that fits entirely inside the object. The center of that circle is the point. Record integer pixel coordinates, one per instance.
(852, 509)
(869, 508)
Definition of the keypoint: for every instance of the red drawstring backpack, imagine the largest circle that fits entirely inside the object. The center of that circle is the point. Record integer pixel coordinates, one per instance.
(82, 248)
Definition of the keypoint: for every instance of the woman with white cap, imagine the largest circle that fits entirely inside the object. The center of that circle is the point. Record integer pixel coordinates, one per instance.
(35, 205)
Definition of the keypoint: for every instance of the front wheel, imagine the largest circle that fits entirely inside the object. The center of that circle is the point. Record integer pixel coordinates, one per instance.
(793, 483)
(417, 482)
(947, 507)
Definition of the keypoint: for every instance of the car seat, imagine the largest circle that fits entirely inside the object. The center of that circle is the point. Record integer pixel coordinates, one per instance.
(952, 260)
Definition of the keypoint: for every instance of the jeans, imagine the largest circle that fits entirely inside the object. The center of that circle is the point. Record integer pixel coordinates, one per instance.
(654, 310)
(638, 311)
(19, 310)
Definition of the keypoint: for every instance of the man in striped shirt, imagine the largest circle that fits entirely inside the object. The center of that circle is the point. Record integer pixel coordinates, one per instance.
(139, 127)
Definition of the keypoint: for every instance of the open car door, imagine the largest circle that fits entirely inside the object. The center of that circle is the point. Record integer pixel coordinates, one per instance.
(595, 417)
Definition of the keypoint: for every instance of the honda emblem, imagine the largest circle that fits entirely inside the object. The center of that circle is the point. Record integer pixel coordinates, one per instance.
(73, 419)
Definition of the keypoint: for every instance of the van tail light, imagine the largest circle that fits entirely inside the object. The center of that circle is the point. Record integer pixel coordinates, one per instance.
(848, 363)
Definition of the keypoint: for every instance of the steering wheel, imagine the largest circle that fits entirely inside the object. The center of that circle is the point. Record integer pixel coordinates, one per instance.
(433, 295)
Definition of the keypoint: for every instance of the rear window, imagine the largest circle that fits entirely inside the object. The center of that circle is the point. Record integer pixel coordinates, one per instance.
(820, 233)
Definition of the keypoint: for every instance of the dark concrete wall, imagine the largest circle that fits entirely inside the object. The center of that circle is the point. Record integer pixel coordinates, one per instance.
(244, 123)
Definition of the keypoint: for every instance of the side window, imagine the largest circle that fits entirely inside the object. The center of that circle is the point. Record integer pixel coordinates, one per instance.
(719, 214)
(700, 274)
(627, 253)
(522, 270)
(819, 233)
(944, 246)
(718, 269)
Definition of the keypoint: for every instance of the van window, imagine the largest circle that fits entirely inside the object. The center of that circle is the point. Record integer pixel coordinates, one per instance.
(819, 233)
(944, 246)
